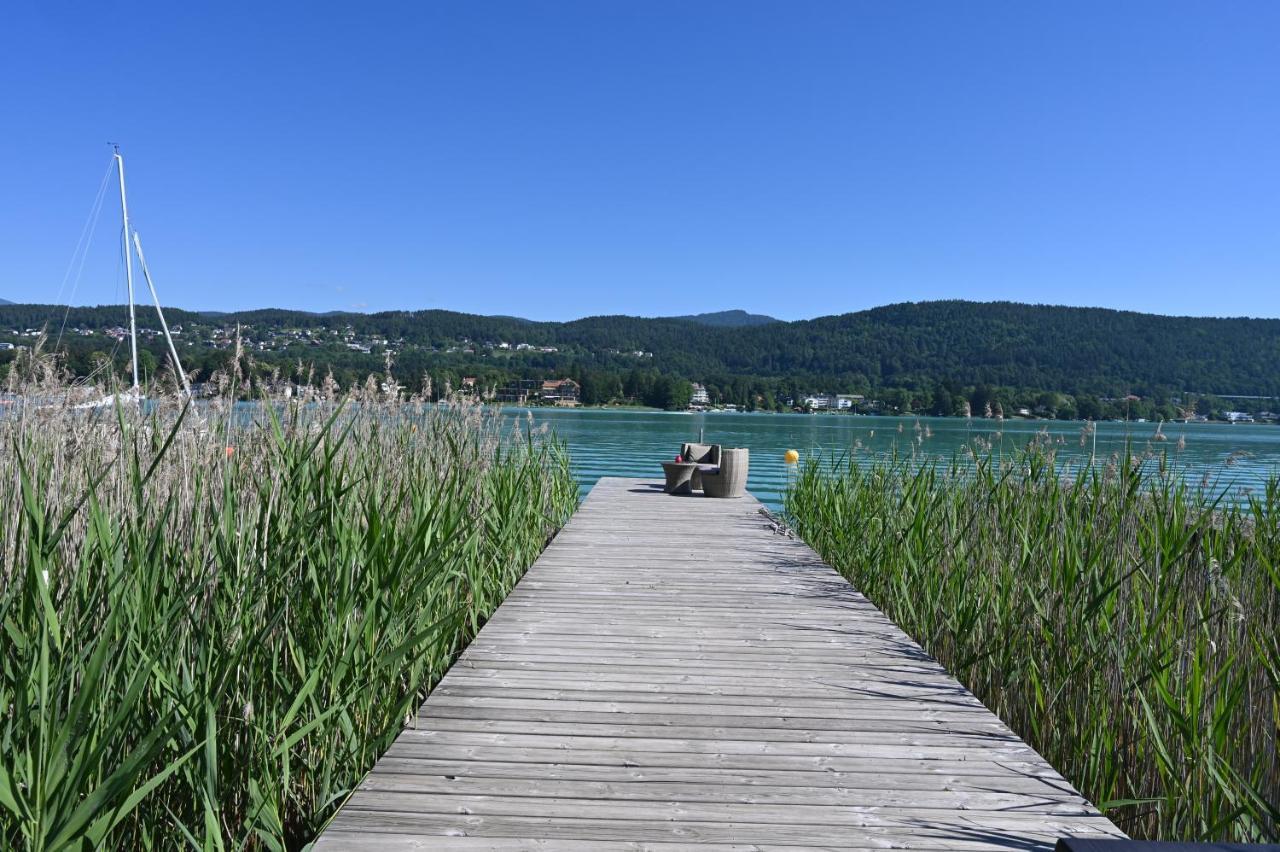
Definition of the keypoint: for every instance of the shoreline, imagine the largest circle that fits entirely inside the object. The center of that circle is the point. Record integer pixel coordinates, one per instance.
(640, 409)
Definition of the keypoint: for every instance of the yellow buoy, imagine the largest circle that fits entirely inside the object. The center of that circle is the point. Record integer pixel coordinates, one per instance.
(791, 457)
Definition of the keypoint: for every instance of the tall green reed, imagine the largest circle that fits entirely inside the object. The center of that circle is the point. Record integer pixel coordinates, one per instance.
(215, 617)
(1123, 623)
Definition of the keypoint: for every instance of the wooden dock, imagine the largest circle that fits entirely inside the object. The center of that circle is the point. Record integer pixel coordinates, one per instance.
(674, 674)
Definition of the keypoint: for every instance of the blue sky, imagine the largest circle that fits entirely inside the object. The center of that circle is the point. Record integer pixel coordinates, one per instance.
(561, 159)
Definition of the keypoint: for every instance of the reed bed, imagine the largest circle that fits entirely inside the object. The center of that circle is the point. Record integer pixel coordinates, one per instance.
(1125, 624)
(217, 616)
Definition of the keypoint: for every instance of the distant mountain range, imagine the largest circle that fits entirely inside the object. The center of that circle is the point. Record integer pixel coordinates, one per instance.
(7, 302)
(911, 345)
(724, 319)
(727, 319)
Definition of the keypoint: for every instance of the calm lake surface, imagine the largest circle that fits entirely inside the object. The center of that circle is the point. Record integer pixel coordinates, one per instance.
(607, 442)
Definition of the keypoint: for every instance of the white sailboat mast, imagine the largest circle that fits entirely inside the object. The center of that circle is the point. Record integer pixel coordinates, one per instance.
(128, 269)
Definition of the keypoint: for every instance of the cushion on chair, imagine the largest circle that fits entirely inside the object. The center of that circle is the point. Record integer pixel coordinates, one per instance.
(698, 453)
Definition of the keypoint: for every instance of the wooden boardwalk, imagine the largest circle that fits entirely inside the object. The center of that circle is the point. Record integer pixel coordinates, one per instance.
(673, 674)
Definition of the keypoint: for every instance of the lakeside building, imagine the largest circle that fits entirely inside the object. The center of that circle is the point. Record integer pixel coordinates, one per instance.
(699, 396)
(848, 401)
(560, 391)
(519, 391)
(832, 401)
(816, 402)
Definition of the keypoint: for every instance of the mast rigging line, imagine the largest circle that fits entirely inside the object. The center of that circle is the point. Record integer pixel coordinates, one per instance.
(81, 249)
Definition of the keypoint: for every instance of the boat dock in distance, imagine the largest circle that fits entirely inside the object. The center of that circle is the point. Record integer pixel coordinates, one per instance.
(673, 673)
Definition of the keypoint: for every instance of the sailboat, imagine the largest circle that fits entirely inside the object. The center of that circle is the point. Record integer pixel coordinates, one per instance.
(132, 243)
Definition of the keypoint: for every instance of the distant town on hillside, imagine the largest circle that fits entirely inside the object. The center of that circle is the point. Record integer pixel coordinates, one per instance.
(947, 358)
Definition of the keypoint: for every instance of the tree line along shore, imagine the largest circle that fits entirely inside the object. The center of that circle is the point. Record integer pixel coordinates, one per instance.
(935, 358)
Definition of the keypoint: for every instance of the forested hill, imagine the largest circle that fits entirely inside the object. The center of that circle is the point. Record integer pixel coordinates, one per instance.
(1074, 350)
(731, 319)
(910, 345)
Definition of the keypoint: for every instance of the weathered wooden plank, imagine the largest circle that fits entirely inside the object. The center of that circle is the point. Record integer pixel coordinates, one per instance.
(831, 812)
(884, 801)
(693, 663)
(631, 691)
(651, 683)
(926, 750)
(820, 649)
(995, 764)
(671, 675)
(878, 731)
(815, 726)
(728, 705)
(1036, 788)
(384, 842)
(964, 832)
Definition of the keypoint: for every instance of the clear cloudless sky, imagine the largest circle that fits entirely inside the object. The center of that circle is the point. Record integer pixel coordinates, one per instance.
(561, 159)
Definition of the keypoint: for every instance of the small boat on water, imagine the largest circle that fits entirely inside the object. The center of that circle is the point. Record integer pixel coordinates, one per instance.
(129, 397)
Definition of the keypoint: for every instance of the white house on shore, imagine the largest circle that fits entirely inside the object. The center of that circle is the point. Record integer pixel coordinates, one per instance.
(830, 401)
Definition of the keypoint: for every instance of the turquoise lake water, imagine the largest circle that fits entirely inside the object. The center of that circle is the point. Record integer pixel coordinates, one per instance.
(607, 442)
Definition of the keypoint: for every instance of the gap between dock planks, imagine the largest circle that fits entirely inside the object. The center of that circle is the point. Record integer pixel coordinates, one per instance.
(673, 674)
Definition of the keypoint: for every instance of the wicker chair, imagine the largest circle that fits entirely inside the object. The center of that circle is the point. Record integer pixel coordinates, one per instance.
(701, 453)
(731, 479)
(705, 456)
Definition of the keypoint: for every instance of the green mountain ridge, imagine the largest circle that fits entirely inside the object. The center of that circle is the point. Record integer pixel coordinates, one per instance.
(909, 345)
(727, 319)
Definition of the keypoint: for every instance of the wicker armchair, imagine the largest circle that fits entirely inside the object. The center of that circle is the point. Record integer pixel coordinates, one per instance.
(731, 479)
(705, 456)
(701, 453)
